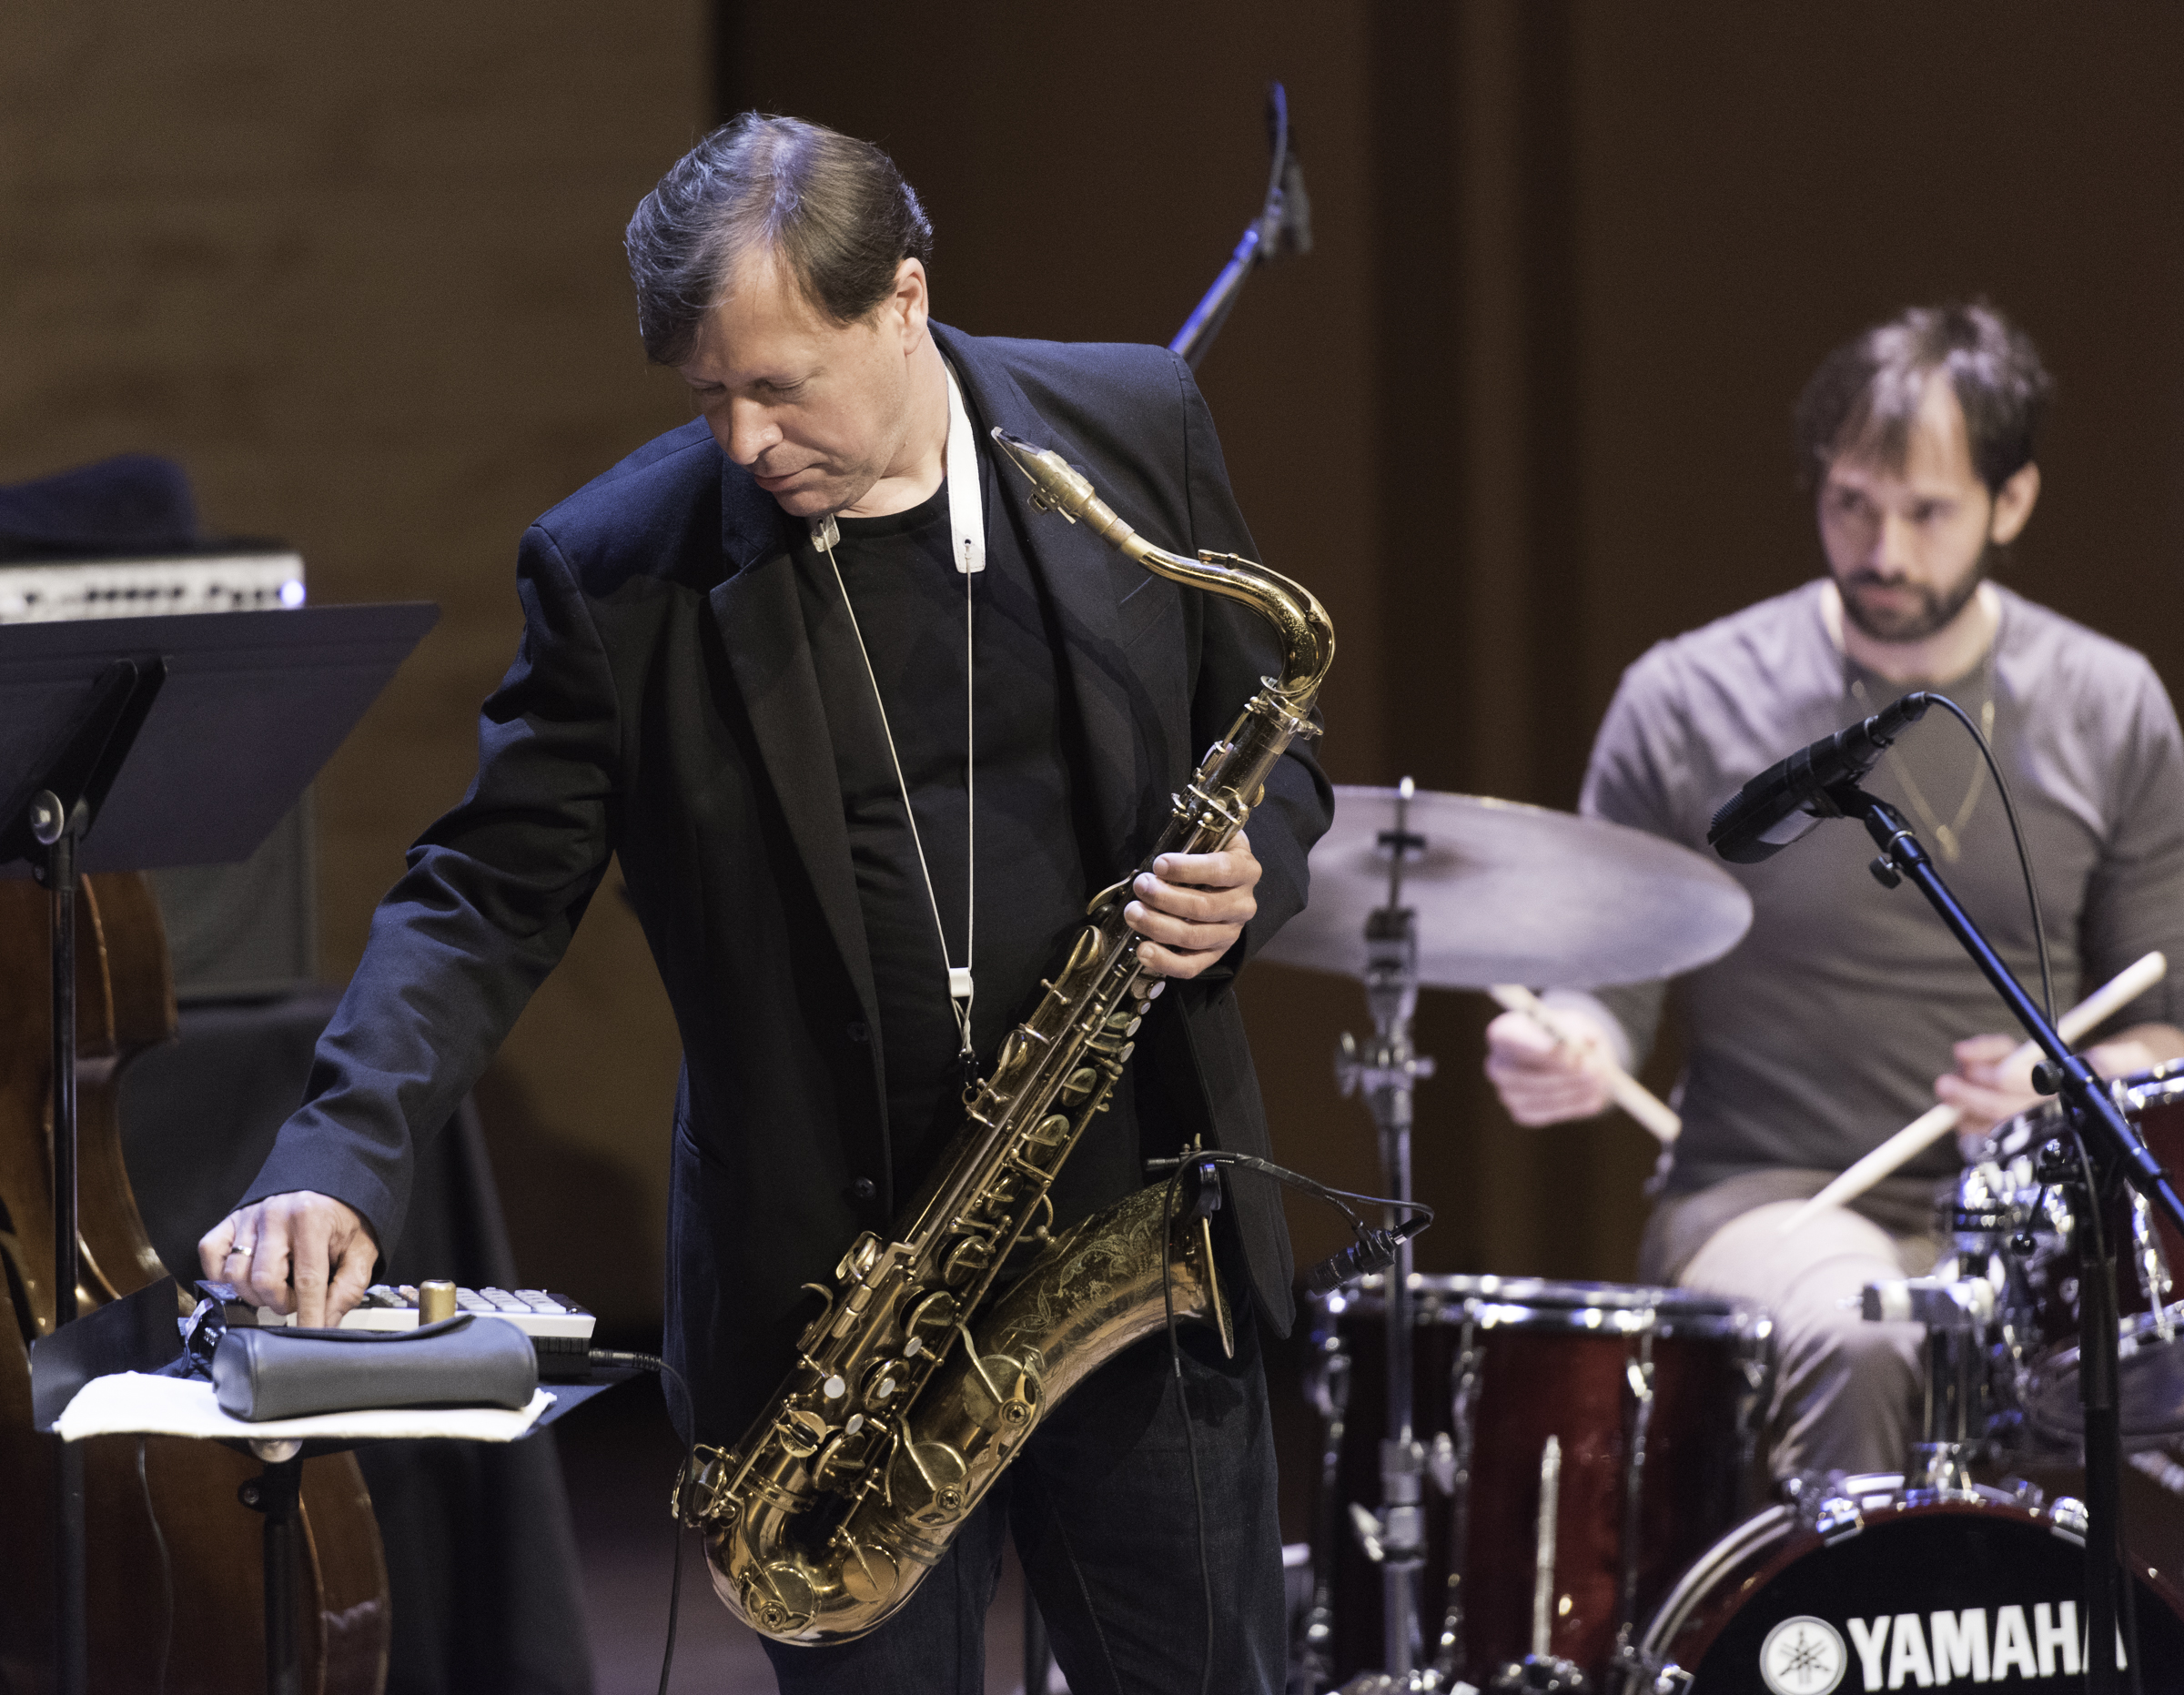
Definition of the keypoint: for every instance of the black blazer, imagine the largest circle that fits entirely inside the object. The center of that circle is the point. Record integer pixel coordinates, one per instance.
(664, 708)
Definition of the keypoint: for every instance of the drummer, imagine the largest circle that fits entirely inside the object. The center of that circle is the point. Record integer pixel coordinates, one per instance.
(1847, 1010)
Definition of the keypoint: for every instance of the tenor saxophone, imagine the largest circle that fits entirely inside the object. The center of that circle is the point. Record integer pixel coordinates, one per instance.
(899, 1414)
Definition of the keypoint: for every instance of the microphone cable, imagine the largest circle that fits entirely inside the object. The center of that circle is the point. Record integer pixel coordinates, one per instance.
(1205, 1161)
(2017, 833)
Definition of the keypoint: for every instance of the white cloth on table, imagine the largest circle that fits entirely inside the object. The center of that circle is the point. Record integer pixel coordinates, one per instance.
(131, 1403)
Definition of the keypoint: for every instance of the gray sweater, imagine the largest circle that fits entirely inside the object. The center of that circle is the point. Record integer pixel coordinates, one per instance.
(1822, 1033)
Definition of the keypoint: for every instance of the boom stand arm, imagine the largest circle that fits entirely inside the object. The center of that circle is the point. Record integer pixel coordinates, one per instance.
(2111, 1145)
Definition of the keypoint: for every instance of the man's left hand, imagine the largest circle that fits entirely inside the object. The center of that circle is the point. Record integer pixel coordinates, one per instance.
(1191, 907)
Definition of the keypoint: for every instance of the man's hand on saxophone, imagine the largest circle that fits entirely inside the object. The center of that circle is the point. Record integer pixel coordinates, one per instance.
(1191, 907)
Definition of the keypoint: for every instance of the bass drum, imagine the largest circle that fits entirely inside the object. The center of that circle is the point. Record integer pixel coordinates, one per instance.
(1871, 1590)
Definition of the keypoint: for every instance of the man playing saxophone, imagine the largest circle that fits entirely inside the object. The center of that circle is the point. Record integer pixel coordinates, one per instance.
(866, 738)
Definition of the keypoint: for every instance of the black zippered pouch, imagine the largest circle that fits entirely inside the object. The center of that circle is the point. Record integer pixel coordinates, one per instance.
(469, 1360)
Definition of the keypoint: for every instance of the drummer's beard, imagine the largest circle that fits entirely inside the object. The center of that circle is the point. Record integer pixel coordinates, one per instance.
(1933, 613)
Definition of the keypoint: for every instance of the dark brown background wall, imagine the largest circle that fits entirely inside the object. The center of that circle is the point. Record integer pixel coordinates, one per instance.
(1522, 413)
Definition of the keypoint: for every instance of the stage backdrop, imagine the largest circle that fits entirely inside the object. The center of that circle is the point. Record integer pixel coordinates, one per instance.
(1523, 412)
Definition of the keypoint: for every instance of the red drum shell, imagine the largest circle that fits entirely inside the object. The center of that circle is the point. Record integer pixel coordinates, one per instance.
(1552, 1359)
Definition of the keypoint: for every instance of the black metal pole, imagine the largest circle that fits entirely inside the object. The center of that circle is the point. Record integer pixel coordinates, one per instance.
(275, 1492)
(2097, 1374)
(71, 1670)
(60, 887)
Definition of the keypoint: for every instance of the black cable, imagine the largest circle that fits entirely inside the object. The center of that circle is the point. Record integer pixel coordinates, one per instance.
(1176, 1167)
(2017, 833)
(1375, 1250)
(1190, 1436)
(666, 1373)
(1295, 1179)
(166, 1570)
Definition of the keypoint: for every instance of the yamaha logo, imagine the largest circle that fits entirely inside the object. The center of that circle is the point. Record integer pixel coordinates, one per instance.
(1802, 1656)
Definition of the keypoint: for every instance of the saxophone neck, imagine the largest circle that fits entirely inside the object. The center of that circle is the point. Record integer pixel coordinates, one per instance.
(1307, 636)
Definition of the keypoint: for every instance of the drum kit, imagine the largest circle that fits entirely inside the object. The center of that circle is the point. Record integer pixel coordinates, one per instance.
(1531, 1484)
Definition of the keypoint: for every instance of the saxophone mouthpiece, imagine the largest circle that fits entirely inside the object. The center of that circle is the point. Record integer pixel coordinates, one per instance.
(1054, 487)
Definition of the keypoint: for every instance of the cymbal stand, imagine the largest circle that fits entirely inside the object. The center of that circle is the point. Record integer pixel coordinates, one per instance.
(1387, 1068)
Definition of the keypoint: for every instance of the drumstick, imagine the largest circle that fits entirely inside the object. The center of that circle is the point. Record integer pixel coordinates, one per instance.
(1648, 1108)
(1930, 1127)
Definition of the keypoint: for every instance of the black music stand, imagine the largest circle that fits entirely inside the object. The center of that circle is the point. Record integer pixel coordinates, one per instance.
(182, 739)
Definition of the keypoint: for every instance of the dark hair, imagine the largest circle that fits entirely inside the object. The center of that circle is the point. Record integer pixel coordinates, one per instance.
(833, 208)
(1866, 394)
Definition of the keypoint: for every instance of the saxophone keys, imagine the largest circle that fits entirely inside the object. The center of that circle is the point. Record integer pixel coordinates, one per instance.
(882, 1381)
(778, 1598)
(869, 1572)
(800, 1432)
(1002, 1395)
(927, 1480)
(844, 1457)
(930, 1319)
(966, 1259)
(859, 1260)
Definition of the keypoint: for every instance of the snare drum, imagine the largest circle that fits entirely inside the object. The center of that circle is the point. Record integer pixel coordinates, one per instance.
(1867, 1589)
(1653, 1399)
(2001, 1196)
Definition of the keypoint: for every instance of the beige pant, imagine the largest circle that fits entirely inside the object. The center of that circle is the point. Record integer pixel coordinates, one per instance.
(1848, 1393)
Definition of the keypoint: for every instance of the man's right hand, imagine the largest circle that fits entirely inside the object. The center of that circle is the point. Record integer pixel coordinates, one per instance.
(1542, 1080)
(302, 1252)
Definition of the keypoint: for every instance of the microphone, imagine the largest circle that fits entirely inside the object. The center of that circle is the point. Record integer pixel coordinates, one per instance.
(1374, 1251)
(1757, 821)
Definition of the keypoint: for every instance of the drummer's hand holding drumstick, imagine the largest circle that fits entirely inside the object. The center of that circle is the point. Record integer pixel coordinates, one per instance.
(1993, 1079)
(1544, 1080)
(1552, 1060)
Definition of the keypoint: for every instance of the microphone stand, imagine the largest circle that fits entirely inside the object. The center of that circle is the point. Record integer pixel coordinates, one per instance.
(1388, 1069)
(2112, 1149)
(1283, 226)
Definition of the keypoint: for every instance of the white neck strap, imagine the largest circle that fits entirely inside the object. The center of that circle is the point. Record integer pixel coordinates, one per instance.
(967, 511)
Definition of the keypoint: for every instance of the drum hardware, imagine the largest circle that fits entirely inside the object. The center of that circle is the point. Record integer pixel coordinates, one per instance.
(1543, 1669)
(1388, 1070)
(1465, 1380)
(1837, 1519)
(1639, 1375)
(1957, 1316)
(1327, 1383)
(2012, 1222)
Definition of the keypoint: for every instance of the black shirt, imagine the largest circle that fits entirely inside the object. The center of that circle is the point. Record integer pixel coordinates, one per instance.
(1032, 822)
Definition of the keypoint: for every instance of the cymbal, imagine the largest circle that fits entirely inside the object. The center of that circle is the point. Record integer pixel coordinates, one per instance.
(1507, 893)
